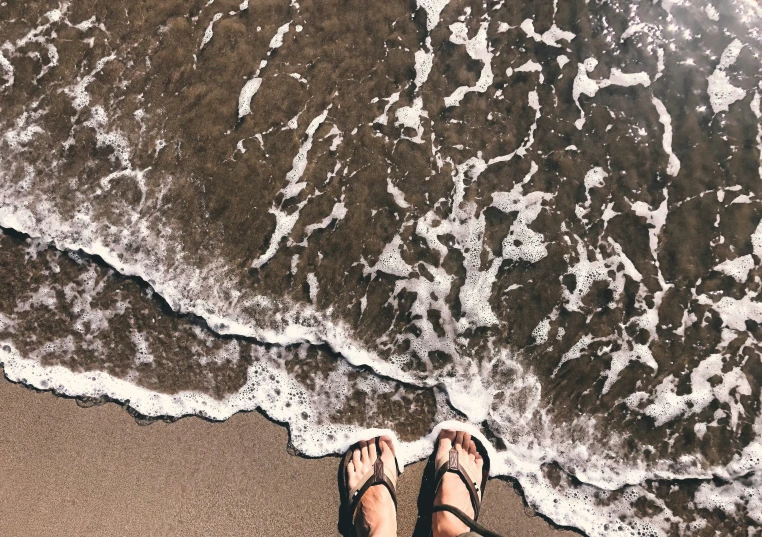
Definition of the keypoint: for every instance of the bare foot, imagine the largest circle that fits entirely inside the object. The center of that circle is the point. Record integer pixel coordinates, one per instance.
(376, 515)
(453, 490)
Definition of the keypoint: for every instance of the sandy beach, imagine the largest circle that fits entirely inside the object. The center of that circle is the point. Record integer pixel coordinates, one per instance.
(75, 471)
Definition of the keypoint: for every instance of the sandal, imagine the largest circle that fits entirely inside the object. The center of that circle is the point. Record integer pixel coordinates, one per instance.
(452, 463)
(378, 475)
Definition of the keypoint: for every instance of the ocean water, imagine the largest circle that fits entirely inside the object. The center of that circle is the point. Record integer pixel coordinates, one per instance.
(541, 220)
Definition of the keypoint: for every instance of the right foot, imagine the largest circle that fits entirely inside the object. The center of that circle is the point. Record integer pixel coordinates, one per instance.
(452, 491)
(376, 513)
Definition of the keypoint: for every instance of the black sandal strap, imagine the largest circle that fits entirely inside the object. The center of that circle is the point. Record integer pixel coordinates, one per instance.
(467, 520)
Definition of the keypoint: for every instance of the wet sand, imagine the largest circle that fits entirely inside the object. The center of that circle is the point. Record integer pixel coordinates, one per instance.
(74, 471)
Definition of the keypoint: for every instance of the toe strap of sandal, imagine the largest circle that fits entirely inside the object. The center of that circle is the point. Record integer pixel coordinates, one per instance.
(378, 475)
(452, 464)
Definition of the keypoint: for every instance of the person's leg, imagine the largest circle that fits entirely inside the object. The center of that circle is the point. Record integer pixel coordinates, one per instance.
(376, 514)
(452, 490)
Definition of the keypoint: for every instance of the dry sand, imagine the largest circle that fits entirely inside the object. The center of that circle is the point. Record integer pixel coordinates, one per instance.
(72, 471)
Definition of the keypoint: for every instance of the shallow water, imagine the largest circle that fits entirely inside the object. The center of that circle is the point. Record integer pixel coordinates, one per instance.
(541, 219)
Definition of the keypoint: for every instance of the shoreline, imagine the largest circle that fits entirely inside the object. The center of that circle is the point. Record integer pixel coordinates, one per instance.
(96, 471)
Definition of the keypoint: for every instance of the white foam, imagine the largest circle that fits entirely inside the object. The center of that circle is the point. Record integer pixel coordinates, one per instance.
(594, 178)
(209, 33)
(521, 242)
(297, 76)
(657, 218)
(142, 352)
(338, 212)
(284, 221)
(410, 117)
(393, 98)
(735, 312)
(399, 197)
(633, 352)
(533, 101)
(756, 241)
(743, 198)
(24, 132)
(541, 331)
(424, 61)
(587, 271)
(636, 28)
(549, 37)
(268, 387)
(666, 405)
(755, 108)
(78, 91)
(247, 94)
(722, 93)
(737, 268)
(530, 66)
(575, 352)
(253, 84)
(44, 296)
(118, 142)
(731, 497)
(390, 261)
(7, 69)
(338, 138)
(673, 167)
(618, 78)
(669, 4)
(584, 85)
(659, 63)
(433, 10)
(277, 39)
(478, 49)
(314, 287)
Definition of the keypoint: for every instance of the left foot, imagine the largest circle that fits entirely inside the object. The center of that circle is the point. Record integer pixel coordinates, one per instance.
(376, 514)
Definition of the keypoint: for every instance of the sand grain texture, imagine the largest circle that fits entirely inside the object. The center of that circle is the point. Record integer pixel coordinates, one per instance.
(72, 471)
